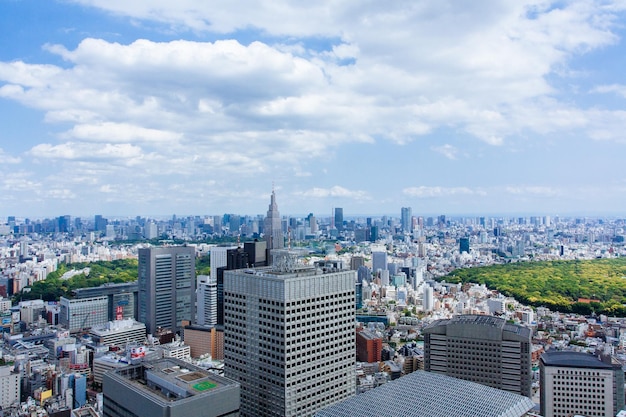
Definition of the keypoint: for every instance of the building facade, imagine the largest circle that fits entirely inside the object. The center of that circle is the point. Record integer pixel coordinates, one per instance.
(482, 349)
(272, 229)
(79, 314)
(167, 287)
(302, 324)
(206, 302)
(368, 346)
(577, 383)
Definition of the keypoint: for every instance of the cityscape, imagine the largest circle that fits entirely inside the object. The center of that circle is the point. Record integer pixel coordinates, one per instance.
(332, 209)
(296, 316)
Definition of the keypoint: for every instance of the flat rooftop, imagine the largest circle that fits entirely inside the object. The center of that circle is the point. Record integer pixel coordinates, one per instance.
(567, 359)
(170, 379)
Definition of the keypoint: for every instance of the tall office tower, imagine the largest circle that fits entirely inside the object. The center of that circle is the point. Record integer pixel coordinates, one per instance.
(219, 258)
(167, 287)
(206, 300)
(168, 387)
(464, 245)
(272, 229)
(379, 261)
(289, 337)
(483, 349)
(406, 219)
(577, 383)
(100, 223)
(338, 218)
(356, 262)
(428, 302)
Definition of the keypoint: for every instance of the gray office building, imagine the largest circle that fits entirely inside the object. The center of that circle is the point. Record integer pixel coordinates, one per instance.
(122, 298)
(482, 349)
(168, 388)
(167, 287)
(289, 336)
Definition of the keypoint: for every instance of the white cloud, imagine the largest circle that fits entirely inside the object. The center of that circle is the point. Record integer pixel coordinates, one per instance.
(446, 150)
(83, 151)
(8, 159)
(532, 190)
(335, 191)
(429, 192)
(618, 89)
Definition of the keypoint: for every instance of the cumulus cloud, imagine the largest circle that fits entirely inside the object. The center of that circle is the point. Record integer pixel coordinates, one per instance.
(533, 190)
(318, 77)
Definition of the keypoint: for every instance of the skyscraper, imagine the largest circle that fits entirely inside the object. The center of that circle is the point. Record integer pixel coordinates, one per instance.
(406, 219)
(167, 286)
(338, 218)
(273, 228)
(207, 300)
(289, 337)
(483, 349)
(464, 245)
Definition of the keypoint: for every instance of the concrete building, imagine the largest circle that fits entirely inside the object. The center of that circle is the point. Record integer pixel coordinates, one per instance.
(9, 386)
(368, 346)
(219, 258)
(79, 314)
(302, 323)
(577, 383)
(119, 333)
(427, 394)
(483, 349)
(428, 299)
(122, 298)
(379, 261)
(167, 287)
(168, 388)
(204, 340)
(206, 300)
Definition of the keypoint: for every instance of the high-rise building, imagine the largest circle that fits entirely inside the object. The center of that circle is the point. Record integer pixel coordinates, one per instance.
(406, 219)
(338, 218)
(428, 302)
(167, 286)
(121, 298)
(379, 261)
(206, 301)
(289, 337)
(272, 229)
(168, 387)
(368, 346)
(577, 383)
(219, 258)
(483, 349)
(464, 245)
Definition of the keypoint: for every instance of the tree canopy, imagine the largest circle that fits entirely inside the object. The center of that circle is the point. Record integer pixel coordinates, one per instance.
(581, 286)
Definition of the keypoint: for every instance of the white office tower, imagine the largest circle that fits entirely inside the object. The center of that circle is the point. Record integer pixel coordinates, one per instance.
(206, 300)
(289, 334)
(219, 258)
(428, 302)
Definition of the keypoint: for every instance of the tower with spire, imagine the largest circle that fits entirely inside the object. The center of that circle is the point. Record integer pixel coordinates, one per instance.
(273, 229)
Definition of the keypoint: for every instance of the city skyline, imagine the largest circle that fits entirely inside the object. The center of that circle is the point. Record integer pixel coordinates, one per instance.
(157, 108)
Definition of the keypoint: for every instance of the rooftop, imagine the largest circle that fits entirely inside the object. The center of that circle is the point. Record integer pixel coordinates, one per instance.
(569, 359)
(432, 395)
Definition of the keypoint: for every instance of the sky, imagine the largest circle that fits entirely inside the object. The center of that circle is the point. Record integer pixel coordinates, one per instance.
(160, 107)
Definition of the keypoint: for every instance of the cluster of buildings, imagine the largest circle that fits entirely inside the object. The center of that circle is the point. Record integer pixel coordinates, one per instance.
(335, 317)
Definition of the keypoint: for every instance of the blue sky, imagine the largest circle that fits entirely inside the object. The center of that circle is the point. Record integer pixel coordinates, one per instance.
(160, 107)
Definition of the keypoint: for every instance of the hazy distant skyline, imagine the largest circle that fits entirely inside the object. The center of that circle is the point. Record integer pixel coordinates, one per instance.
(143, 107)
